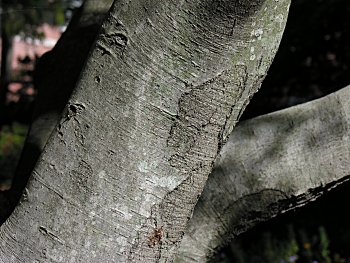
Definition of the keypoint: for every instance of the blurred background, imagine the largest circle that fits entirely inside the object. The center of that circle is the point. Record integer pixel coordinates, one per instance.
(29, 28)
(313, 61)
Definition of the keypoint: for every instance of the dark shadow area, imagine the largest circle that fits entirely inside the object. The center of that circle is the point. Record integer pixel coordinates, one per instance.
(313, 61)
(318, 232)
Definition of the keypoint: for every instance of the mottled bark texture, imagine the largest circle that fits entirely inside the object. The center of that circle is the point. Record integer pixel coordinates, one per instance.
(271, 164)
(159, 94)
(56, 75)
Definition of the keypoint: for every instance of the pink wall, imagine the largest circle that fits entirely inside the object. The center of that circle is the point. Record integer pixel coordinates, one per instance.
(31, 47)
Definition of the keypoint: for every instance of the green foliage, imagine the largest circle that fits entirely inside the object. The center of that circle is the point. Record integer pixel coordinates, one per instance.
(285, 246)
(11, 143)
(25, 15)
(324, 244)
(59, 14)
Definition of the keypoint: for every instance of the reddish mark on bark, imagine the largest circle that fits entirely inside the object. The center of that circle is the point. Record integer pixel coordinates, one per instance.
(155, 237)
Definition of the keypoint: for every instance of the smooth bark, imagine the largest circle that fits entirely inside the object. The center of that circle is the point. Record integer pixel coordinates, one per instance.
(158, 97)
(271, 164)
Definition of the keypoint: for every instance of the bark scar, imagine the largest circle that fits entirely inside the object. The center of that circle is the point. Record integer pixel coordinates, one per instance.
(155, 237)
(71, 113)
(46, 232)
(114, 38)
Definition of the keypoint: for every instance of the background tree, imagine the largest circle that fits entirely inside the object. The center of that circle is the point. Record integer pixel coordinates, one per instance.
(23, 17)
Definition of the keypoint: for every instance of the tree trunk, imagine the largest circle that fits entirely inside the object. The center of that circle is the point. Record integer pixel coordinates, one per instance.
(157, 99)
(56, 76)
(285, 159)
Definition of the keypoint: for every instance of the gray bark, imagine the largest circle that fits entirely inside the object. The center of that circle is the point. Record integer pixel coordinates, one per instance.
(159, 94)
(56, 76)
(271, 164)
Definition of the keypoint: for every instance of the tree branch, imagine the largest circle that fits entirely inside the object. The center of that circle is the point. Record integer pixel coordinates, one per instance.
(271, 164)
(160, 92)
